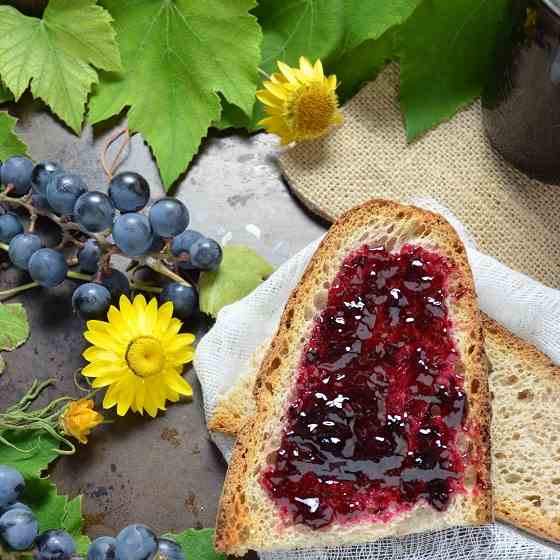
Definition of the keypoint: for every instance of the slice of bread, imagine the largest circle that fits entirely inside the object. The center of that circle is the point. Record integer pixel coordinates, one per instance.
(248, 519)
(525, 388)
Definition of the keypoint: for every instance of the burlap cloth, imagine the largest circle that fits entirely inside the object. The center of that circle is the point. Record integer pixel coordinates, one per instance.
(512, 217)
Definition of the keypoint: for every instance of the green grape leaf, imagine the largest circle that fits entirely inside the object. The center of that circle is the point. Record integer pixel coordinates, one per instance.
(178, 57)
(5, 94)
(57, 54)
(447, 49)
(241, 271)
(294, 28)
(362, 64)
(14, 327)
(10, 144)
(34, 454)
(197, 544)
(54, 511)
(370, 20)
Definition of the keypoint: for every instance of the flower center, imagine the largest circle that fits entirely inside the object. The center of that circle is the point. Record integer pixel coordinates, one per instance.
(312, 109)
(145, 356)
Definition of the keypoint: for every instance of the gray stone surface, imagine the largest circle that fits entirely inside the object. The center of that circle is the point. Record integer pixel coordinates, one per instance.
(162, 472)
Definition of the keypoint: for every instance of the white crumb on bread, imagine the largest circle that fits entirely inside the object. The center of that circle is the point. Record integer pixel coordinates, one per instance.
(247, 518)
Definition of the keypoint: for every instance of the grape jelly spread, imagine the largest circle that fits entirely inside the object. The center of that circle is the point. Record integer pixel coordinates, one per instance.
(371, 428)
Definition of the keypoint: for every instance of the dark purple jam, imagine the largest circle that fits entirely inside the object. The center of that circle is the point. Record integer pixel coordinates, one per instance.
(371, 428)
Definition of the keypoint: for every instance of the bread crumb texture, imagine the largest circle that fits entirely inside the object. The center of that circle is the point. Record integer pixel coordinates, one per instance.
(525, 388)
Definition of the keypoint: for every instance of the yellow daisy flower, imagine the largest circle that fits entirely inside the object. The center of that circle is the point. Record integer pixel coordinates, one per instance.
(301, 103)
(139, 355)
(79, 418)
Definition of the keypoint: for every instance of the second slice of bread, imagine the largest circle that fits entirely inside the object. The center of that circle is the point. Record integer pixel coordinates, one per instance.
(247, 518)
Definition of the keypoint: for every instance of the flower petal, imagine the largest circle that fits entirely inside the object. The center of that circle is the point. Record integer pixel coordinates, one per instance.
(165, 313)
(105, 341)
(177, 383)
(93, 353)
(180, 341)
(305, 67)
(126, 396)
(287, 72)
(267, 99)
(318, 69)
(111, 396)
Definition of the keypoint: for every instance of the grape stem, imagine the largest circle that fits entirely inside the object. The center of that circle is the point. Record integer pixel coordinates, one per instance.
(6, 294)
(119, 158)
(159, 267)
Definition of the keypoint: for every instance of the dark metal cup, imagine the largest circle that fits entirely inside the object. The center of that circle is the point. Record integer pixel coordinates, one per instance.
(521, 103)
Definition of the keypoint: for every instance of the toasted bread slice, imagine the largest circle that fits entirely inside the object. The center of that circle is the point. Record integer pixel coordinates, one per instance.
(248, 518)
(237, 403)
(525, 386)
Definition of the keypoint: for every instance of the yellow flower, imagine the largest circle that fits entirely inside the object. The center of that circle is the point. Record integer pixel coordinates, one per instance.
(139, 354)
(79, 418)
(301, 103)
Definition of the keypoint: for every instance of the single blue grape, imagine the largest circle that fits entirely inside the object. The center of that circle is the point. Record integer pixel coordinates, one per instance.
(206, 254)
(42, 173)
(169, 217)
(184, 299)
(18, 528)
(117, 284)
(181, 246)
(12, 486)
(63, 190)
(48, 267)
(88, 257)
(15, 505)
(132, 234)
(136, 542)
(22, 246)
(91, 301)
(102, 548)
(169, 550)
(10, 226)
(129, 191)
(17, 171)
(55, 545)
(40, 200)
(94, 211)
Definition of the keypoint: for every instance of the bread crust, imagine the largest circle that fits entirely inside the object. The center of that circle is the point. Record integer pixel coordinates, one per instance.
(238, 525)
(509, 507)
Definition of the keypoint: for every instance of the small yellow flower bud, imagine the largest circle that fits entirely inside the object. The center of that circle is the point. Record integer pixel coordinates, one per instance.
(79, 418)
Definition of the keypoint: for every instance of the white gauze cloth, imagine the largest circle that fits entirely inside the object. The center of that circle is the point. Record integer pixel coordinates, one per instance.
(523, 305)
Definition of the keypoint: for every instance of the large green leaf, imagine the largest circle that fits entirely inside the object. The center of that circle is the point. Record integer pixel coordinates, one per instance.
(362, 64)
(177, 56)
(57, 54)
(447, 48)
(10, 144)
(241, 271)
(197, 544)
(14, 327)
(39, 450)
(54, 511)
(370, 20)
(5, 94)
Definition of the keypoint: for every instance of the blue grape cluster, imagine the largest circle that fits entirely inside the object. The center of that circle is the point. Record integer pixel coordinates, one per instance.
(119, 217)
(19, 530)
